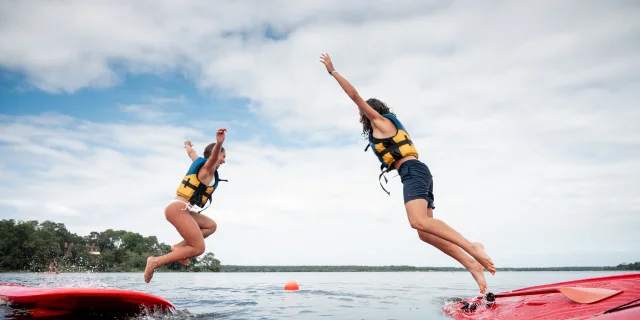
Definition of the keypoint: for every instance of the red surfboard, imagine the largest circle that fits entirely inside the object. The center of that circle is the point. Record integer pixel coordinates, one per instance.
(614, 297)
(43, 302)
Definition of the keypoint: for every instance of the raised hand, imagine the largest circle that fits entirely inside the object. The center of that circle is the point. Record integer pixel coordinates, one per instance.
(220, 135)
(326, 60)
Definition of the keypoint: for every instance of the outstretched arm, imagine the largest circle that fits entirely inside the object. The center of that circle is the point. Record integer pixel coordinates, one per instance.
(192, 153)
(368, 111)
(215, 153)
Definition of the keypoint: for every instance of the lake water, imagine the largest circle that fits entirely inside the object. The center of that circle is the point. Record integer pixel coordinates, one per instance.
(393, 295)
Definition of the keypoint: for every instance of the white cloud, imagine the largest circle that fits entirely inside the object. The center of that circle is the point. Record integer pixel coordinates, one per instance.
(427, 59)
(311, 206)
(526, 114)
(150, 112)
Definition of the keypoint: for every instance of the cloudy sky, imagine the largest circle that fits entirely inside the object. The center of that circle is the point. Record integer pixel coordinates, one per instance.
(525, 111)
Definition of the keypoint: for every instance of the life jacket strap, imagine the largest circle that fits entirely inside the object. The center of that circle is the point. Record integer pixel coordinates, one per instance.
(187, 183)
(384, 170)
(209, 197)
(396, 146)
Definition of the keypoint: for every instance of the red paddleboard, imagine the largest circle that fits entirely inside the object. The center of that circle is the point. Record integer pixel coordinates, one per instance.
(42, 302)
(526, 303)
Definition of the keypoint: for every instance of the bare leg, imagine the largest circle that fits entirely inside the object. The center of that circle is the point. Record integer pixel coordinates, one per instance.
(207, 227)
(175, 247)
(416, 210)
(455, 252)
(188, 229)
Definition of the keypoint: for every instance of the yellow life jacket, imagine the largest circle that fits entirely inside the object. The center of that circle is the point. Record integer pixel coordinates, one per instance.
(391, 149)
(193, 189)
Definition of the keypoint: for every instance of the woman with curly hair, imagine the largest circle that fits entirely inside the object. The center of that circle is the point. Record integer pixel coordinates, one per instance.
(393, 147)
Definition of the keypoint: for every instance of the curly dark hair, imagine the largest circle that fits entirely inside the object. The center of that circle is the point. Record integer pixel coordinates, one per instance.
(208, 149)
(377, 105)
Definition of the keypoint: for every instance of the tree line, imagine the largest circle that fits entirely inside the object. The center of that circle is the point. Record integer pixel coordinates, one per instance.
(42, 246)
(35, 247)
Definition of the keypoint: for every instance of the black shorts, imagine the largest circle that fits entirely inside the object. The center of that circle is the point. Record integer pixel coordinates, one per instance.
(417, 181)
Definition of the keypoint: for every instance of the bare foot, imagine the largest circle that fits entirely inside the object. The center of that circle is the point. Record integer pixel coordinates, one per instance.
(149, 269)
(478, 274)
(482, 257)
(185, 262)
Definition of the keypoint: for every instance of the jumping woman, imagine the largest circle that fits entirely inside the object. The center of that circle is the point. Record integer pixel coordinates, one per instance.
(390, 142)
(183, 212)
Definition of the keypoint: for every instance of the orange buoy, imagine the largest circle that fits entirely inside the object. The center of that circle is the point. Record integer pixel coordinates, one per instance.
(291, 285)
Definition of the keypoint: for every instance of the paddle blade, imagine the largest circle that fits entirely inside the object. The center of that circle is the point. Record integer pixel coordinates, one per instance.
(587, 295)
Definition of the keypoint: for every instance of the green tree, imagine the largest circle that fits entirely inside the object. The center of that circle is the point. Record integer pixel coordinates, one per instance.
(209, 263)
(32, 246)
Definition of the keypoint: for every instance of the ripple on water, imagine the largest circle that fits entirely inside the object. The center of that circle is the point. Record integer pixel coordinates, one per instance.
(341, 299)
(337, 293)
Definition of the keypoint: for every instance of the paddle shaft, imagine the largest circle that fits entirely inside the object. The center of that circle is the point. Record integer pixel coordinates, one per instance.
(527, 292)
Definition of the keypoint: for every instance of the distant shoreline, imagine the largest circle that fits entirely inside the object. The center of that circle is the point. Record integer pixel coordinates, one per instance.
(349, 268)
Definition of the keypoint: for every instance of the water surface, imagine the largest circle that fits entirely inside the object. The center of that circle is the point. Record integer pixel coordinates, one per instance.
(326, 295)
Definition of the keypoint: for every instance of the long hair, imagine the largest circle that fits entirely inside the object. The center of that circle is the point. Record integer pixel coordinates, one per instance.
(377, 105)
(208, 149)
